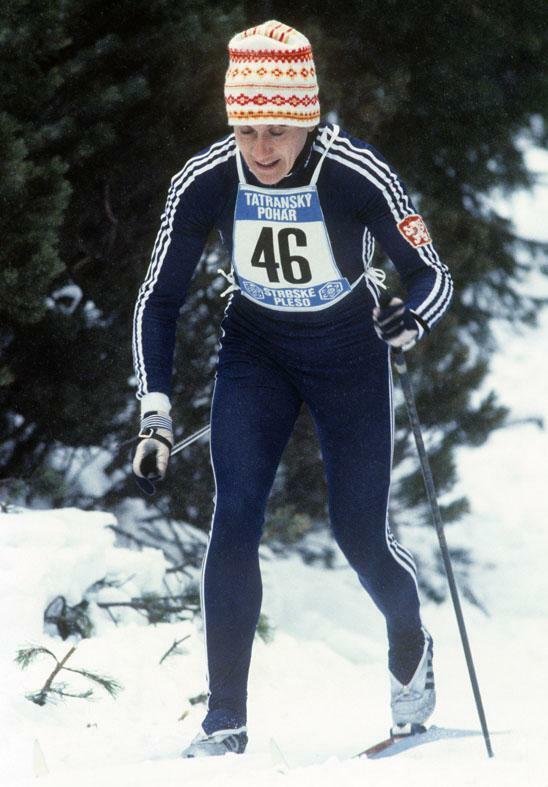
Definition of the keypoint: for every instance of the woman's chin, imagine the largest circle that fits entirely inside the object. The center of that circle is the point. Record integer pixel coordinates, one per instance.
(268, 176)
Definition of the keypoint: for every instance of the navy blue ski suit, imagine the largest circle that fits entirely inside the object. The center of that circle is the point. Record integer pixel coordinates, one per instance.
(297, 329)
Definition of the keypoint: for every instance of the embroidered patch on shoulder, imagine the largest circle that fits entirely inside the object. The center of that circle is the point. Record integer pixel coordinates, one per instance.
(414, 230)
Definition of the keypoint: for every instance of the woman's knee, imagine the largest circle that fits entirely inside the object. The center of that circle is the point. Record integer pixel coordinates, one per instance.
(365, 550)
(237, 520)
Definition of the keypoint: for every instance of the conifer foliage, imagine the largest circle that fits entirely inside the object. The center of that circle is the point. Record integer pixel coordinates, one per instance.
(51, 689)
(103, 102)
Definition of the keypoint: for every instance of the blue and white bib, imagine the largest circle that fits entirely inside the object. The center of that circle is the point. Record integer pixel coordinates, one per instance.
(282, 254)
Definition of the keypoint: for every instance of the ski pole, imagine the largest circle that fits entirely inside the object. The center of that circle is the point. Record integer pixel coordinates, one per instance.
(190, 439)
(401, 367)
(146, 483)
(178, 446)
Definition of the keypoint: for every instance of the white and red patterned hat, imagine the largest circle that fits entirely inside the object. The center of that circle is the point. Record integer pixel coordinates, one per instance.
(271, 78)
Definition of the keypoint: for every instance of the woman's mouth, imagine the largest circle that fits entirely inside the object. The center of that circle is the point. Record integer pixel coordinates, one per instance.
(266, 166)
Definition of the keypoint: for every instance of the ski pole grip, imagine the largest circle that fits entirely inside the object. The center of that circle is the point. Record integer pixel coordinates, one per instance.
(399, 360)
(384, 300)
(149, 468)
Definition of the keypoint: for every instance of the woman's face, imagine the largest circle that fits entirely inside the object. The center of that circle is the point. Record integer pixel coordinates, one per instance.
(270, 151)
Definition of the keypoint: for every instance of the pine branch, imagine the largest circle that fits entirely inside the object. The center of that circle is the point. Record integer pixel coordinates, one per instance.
(111, 217)
(113, 617)
(60, 691)
(41, 696)
(199, 698)
(264, 630)
(131, 537)
(140, 608)
(171, 525)
(155, 607)
(173, 649)
(109, 583)
(110, 685)
(26, 656)
(182, 568)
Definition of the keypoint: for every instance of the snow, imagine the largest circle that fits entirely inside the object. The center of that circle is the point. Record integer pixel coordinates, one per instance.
(62, 553)
(319, 689)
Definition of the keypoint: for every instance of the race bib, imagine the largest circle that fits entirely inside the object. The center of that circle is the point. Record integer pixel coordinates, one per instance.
(282, 253)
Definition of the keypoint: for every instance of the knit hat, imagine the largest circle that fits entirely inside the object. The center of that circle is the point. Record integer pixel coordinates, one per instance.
(271, 78)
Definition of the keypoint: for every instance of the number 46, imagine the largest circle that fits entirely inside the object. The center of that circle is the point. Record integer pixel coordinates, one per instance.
(295, 269)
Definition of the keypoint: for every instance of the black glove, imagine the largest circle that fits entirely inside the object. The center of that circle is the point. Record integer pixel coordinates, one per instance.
(396, 325)
(153, 450)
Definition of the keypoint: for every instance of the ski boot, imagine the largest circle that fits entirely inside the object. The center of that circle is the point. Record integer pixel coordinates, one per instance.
(218, 743)
(412, 704)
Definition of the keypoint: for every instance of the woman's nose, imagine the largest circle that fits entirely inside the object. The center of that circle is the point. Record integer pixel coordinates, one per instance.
(262, 147)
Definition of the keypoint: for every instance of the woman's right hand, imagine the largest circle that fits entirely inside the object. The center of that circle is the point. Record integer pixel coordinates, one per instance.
(153, 450)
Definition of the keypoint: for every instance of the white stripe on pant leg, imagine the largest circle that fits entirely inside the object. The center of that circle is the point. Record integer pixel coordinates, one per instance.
(399, 547)
(393, 551)
(403, 563)
(402, 557)
(202, 577)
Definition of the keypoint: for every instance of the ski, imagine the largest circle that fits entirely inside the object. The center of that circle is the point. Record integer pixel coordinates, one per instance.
(407, 734)
(402, 739)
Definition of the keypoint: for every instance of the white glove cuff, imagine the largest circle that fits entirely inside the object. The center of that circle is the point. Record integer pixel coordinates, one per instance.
(157, 421)
(157, 401)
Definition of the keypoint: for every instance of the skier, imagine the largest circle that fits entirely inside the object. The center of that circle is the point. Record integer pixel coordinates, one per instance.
(298, 203)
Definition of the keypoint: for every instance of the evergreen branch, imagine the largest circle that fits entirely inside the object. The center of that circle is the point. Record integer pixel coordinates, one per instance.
(62, 693)
(160, 537)
(110, 685)
(140, 608)
(264, 630)
(109, 583)
(173, 649)
(131, 537)
(40, 697)
(199, 698)
(171, 525)
(26, 656)
(108, 206)
(182, 568)
(535, 420)
(470, 596)
(146, 603)
(112, 617)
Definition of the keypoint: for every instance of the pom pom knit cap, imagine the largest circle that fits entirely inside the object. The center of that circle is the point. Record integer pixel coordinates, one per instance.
(271, 78)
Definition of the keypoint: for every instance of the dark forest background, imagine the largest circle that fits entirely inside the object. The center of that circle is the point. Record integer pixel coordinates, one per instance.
(101, 103)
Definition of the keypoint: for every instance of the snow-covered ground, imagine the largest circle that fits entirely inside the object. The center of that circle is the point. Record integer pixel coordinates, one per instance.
(319, 689)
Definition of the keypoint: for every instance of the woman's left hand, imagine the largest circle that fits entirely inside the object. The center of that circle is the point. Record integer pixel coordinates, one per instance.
(396, 325)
